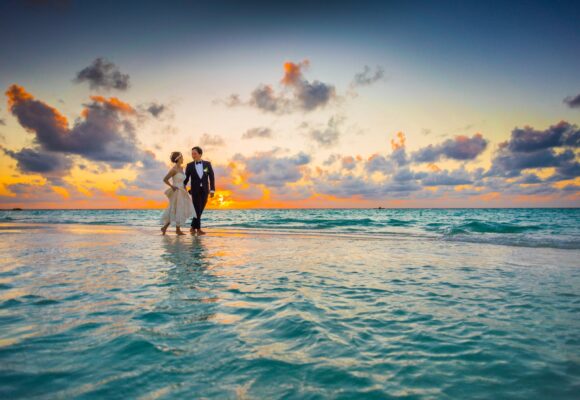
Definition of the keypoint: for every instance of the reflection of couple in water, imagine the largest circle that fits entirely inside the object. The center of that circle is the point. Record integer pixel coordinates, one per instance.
(182, 207)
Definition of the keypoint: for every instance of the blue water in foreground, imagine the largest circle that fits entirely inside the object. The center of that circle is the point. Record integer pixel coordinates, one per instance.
(557, 228)
(291, 304)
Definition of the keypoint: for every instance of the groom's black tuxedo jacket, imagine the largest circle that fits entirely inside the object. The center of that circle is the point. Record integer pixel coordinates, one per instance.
(200, 185)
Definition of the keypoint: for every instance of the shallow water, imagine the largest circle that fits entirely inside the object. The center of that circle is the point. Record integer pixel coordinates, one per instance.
(89, 311)
(531, 227)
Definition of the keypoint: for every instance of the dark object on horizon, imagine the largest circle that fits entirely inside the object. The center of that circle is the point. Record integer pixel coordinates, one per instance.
(380, 208)
(17, 209)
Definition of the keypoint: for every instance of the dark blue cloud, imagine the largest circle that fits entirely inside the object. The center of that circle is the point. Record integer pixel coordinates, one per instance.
(529, 148)
(304, 96)
(461, 148)
(105, 133)
(103, 74)
(529, 139)
(42, 162)
(573, 101)
(447, 178)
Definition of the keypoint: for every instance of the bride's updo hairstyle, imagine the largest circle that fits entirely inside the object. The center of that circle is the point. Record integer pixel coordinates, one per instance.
(175, 156)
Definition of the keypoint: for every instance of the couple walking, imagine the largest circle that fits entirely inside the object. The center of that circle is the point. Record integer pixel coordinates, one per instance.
(181, 206)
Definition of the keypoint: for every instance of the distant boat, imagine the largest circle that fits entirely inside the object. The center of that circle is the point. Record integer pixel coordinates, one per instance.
(17, 209)
(380, 208)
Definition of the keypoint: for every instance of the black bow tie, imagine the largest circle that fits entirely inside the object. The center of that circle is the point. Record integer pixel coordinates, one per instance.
(198, 162)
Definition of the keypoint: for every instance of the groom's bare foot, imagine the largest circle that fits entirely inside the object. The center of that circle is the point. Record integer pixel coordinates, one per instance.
(192, 231)
(200, 232)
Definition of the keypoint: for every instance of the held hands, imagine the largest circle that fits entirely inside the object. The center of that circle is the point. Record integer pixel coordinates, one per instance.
(211, 194)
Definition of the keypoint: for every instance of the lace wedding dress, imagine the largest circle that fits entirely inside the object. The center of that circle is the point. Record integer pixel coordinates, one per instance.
(180, 208)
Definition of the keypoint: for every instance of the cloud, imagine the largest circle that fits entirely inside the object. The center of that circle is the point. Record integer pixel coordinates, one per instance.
(379, 163)
(30, 160)
(211, 140)
(328, 136)
(103, 74)
(303, 95)
(529, 179)
(230, 178)
(104, 132)
(155, 109)
(367, 77)
(348, 163)
(529, 139)
(573, 101)
(272, 171)
(265, 99)
(461, 148)
(148, 182)
(257, 133)
(24, 193)
(529, 148)
(447, 178)
(348, 186)
(309, 95)
(386, 165)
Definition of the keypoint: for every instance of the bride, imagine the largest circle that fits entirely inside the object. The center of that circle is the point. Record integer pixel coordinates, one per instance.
(180, 207)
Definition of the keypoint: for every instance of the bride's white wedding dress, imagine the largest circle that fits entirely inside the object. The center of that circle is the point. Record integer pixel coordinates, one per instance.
(180, 208)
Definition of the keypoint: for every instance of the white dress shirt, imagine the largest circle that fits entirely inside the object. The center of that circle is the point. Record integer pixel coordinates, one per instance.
(199, 170)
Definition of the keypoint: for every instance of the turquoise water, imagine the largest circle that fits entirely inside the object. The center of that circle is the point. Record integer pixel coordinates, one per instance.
(321, 309)
(558, 228)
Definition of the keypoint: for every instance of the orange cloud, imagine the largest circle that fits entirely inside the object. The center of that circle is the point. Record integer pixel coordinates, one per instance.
(17, 95)
(398, 143)
(293, 72)
(433, 167)
(114, 103)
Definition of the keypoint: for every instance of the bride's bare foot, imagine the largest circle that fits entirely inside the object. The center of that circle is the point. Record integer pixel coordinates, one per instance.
(200, 232)
(164, 229)
(179, 232)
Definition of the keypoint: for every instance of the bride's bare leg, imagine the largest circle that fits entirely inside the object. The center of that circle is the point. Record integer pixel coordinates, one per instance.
(164, 228)
(178, 231)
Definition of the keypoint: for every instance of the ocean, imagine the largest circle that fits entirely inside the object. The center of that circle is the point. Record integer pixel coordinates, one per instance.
(291, 304)
(547, 227)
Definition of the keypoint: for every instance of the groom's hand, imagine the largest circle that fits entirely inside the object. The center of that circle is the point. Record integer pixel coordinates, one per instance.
(211, 194)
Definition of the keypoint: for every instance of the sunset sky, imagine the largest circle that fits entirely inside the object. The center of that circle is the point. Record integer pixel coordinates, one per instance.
(296, 104)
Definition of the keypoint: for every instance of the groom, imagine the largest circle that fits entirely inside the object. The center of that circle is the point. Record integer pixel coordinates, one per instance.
(202, 185)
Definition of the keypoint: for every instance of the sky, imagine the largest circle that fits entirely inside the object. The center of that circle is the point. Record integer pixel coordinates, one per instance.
(301, 104)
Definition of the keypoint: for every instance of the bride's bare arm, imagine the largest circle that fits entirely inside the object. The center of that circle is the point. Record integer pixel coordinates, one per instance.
(171, 172)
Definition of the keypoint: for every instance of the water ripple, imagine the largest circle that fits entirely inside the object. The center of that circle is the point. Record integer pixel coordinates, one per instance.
(283, 316)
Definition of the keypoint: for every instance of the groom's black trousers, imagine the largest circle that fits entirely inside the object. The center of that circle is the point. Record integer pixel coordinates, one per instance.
(199, 199)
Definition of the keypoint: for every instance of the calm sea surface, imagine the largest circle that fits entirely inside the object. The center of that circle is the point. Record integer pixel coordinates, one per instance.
(291, 304)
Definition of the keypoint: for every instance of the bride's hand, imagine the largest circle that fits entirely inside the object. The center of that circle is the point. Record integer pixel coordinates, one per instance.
(174, 188)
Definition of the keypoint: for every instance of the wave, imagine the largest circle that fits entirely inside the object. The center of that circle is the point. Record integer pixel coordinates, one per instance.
(489, 227)
(400, 222)
(317, 223)
(559, 228)
(518, 241)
